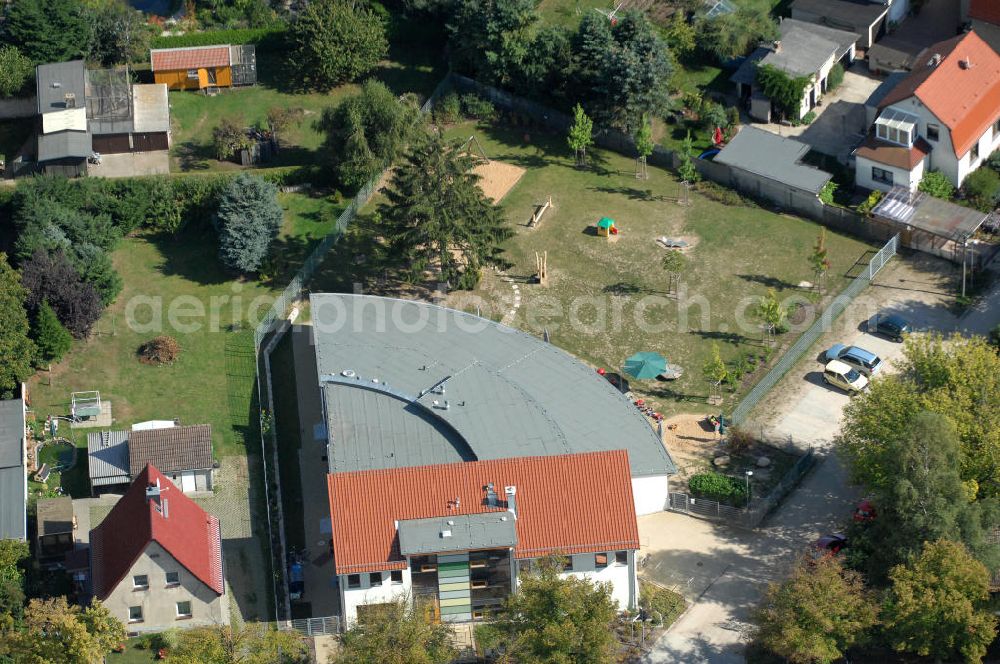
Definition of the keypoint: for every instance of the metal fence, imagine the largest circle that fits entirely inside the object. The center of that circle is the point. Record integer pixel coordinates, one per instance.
(815, 331)
(745, 517)
(272, 323)
(316, 626)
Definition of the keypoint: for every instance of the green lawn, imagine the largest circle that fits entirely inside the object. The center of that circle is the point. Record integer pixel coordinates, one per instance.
(740, 253)
(212, 380)
(568, 13)
(194, 116)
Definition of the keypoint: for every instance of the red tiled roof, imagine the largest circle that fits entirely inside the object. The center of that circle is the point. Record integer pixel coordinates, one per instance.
(894, 155)
(172, 59)
(985, 10)
(965, 99)
(187, 532)
(574, 503)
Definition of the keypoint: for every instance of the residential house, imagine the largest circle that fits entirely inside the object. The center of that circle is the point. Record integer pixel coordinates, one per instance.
(869, 19)
(13, 469)
(204, 67)
(804, 50)
(54, 528)
(459, 536)
(945, 116)
(183, 453)
(82, 111)
(156, 559)
(984, 18)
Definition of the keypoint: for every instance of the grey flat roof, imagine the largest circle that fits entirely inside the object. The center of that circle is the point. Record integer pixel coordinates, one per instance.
(462, 532)
(13, 481)
(54, 81)
(151, 108)
(844, 39)
(774, 157)
(803, 52)
(509, 394)
(65, 144)
(843, 14)
(885, 87)
(747, 71)
(929, 214)
(107, 454)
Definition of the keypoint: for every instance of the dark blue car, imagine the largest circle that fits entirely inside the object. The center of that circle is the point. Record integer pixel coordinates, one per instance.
(892, 326)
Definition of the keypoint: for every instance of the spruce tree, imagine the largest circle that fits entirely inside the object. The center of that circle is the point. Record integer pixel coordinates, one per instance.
(438, 218)
(249, 218)
(53, 340)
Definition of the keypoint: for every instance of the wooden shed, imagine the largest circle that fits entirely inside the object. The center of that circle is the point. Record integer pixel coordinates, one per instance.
(201, 67)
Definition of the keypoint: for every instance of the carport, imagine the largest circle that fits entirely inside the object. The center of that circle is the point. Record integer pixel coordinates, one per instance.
(931, 225)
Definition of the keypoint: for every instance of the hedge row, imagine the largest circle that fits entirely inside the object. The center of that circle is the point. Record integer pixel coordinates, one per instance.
(216, 37)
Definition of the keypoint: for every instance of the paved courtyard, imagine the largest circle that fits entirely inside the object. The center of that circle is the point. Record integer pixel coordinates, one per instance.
(131, 164)
(840, 122)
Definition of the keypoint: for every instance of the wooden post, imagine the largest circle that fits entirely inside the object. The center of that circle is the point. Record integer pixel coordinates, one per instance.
(541, 267)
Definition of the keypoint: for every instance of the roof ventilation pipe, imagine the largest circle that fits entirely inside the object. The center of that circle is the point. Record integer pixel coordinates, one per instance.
(510, 492)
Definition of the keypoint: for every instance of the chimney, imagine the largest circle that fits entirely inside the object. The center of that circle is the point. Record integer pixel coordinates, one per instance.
(153, 491)
(935, 60)
(965, 63)
(70, 99)
(510, 492)
(491, 496)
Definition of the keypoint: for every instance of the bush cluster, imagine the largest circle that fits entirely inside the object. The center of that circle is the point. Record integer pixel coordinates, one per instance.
(719, 487)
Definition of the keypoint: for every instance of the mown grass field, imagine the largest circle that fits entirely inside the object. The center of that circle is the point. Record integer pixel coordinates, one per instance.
(170, 277)
(607, 300)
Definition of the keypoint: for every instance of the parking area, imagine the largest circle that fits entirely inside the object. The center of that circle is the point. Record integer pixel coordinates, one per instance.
(840, 121)
(131, 164)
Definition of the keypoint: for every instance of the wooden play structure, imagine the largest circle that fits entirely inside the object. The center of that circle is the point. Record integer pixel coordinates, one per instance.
(478, 153)
(536, 217)
(542, 267)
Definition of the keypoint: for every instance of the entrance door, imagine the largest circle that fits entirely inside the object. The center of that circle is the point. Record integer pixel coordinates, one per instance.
(187, 481)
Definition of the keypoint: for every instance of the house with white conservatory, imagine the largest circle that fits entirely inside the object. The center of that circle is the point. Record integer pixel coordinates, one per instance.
(944, 116)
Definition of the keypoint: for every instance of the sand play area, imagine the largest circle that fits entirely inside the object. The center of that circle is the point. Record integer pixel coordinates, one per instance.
(497, 178)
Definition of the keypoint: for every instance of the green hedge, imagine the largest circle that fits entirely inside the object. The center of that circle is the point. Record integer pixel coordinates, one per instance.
(216, 37)
(719, 487)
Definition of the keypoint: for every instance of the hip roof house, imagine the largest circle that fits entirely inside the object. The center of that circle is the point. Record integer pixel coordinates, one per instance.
(458, 535)
(156, 559)
(944, 115)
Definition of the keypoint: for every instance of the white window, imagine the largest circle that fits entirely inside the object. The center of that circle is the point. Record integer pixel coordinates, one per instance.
(134, 614)
(375, 579)
(173, 578)
(193, 73)
(396, 576)
(896, 127)
(933, 132)
(183, 609)
(974, 153)
(140, 581)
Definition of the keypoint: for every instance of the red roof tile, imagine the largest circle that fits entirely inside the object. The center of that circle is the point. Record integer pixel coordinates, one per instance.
(894, 155)
(187, 532)
(985, 10)
(574, 503)
(172, 59)
(965, 99)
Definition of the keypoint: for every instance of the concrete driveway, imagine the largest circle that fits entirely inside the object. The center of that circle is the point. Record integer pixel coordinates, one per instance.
(840, 122)
(723, 571)
(131, 164)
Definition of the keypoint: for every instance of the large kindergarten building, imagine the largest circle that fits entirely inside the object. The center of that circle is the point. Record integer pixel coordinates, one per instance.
(461, 449)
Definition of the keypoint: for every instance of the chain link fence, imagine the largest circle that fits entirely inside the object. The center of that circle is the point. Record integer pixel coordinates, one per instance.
(815, 331)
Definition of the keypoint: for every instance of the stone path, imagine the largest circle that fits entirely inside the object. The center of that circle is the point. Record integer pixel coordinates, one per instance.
(508, 317)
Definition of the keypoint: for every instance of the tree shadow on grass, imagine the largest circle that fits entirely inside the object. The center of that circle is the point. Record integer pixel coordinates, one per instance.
(193, 157)
(624, 288)
(768, 281)
(192, 254)
(718, 335)
(633, 193)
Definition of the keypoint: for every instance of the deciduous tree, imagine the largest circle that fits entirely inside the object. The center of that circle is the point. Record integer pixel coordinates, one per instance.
(554, 619)
(395, 633)
(120, 33)
(48, 30)
(15, 70)
(437, 217)
(819, 259)
(733, 34)
(335, 41)
(239, 643)
(491, 39)
(674, 262)
(16, 349)
(581, 135)
(816, 614)
(249, 218)
(937, 605)
(13, 554)
(714, 369)
(771, 313)
(55, 631)
(643, 146)
(50, 276)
